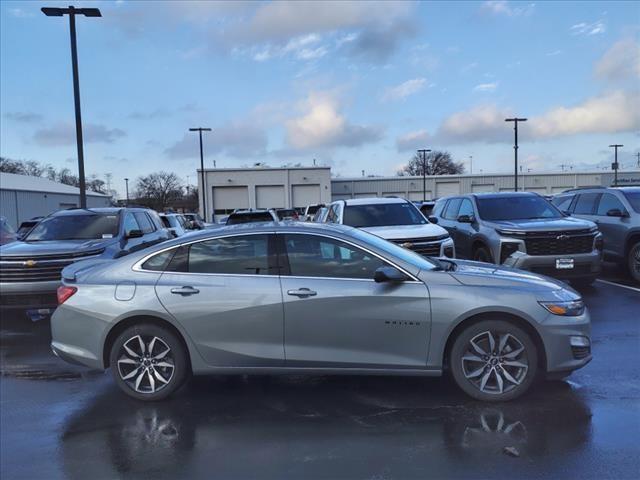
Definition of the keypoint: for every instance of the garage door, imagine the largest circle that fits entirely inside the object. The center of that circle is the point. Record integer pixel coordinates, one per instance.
(445, 189)
(483, 188)
(365, 195)
(303, 195)
(270, 196)
(555, 190)
(417, 196)
(506, 189)
(227, 199)
(540, 190)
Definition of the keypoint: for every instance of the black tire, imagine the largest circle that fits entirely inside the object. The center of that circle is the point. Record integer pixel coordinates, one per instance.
(633, 262)
(482, 254)
(149, 372)
(492, 366)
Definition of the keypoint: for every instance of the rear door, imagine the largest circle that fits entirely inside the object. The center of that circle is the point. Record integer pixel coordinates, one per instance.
(226, 293)
(337, 316)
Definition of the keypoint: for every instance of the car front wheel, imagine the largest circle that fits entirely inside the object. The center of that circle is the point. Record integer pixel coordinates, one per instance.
(633, 262)
(493, 360)
(149, 362)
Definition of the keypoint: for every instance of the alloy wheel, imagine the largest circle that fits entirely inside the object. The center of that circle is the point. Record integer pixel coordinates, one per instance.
(495, 363)
(146, 364)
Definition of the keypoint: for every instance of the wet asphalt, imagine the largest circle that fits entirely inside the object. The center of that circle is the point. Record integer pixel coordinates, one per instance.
(60, 421)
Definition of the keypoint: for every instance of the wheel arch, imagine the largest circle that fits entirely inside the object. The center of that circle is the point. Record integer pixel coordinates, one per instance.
(509, 317)
(633, 237)
(125, 323)
(481, 242)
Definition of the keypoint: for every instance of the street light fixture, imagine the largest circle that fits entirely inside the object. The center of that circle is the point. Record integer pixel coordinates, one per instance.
(126, 181)
(423, 152)
(515, 121)
(72, 12)
(204, 197)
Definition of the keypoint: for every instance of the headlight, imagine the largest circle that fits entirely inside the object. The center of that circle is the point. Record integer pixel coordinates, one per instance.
(566, 309)
(510, 233)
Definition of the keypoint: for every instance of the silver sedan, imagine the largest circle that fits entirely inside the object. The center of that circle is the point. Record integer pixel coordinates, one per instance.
(309, 298)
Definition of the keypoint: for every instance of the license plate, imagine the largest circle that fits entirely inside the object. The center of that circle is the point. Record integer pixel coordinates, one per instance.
(564, 263)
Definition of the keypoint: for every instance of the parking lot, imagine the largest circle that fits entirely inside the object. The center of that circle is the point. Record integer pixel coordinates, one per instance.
(61, 421)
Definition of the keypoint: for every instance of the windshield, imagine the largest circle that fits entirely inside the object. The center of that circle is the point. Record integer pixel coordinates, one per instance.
(249, 218)
(381, 215)
(527, 207)
(634, 199)
(75, 227)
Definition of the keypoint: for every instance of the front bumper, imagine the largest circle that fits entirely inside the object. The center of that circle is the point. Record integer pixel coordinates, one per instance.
(585, 265)
(28, 295)
(567, 342)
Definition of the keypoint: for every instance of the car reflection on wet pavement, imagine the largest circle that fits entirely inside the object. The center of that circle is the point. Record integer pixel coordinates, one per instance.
(59, 421)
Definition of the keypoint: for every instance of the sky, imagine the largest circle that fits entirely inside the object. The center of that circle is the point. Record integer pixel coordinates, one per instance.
(354, 85)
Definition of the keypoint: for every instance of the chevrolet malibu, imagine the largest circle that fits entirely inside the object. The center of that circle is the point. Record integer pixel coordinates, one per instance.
(284, 298)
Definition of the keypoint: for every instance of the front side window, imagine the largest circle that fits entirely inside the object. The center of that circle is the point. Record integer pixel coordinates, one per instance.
(145, 223)
(316, 256)
(451, 213)
(609, 202)
(586, 203)
(563, 203)
(382, 214)
(75, 227)
(246, 254)
(520, 207)
(466, 208)
(130, 223)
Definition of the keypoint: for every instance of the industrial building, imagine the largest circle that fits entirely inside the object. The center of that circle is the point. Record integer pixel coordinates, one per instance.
(228, 189)
(444, 185)
(23, 197)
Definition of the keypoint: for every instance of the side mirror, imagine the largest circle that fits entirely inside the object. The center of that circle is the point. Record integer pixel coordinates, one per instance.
(432, 219)
(465, 219)
(134, 234)
(616, 212)
(388, 274)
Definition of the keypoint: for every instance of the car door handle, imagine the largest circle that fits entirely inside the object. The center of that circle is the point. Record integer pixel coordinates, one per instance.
(184, 291)
(302, 293)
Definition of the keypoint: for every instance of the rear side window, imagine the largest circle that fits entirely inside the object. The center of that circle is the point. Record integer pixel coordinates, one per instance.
(159, 262)
(145, 223)
(586, 203)
(246, 254)
(451, 213)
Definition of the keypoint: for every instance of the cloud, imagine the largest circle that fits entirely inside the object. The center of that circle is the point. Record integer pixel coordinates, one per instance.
(621, 62)
(412, 140)
(238, 140)
(65, 134)
(583, 28)
(322, 125)
(379, 43)
(502, 7)
(20, 13)
(404, 90)
(486, 87)
(306, 47)
(162, 112)
(484, 123)
(554, 53)
(23, 117)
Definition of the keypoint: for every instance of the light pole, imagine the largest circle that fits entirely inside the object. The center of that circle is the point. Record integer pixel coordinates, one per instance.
(423, 152)
(126, 182)
(515, 121)
(615, 165)
(72, 12)
(471, 164)
(204, 197)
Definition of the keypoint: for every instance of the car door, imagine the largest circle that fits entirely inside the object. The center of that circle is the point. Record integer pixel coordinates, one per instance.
(336, 315)
(226, 293)
(131, 244)
(465, 232)
(449, 217)
(613, 228)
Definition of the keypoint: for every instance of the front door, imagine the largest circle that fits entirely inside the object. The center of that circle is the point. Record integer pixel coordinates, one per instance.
(337, 316)
(226, 293)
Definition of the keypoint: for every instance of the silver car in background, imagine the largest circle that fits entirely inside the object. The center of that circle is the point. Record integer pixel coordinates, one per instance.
(308, 298)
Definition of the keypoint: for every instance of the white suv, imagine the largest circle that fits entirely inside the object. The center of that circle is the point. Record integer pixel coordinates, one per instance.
(396, 220)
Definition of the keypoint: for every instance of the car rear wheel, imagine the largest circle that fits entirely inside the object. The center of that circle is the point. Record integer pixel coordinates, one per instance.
(633, 262)
(493, 360)
(149, 362)
(481, 254)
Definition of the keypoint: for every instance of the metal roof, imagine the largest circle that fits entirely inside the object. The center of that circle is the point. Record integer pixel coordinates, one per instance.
(12, 181)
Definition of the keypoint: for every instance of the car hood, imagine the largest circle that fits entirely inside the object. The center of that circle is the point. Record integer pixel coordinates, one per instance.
(489, 275)
(400, 232)
(52, 247)
(564, 223)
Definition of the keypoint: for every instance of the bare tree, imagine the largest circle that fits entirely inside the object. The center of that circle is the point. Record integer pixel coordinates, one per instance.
(437, 163)
(158, 190)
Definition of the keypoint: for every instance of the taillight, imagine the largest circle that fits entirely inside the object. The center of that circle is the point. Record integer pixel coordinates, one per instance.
(64, 293)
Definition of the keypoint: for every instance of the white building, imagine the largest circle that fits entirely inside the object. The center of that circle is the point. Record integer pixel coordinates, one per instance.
(23, 197)
(228, 189)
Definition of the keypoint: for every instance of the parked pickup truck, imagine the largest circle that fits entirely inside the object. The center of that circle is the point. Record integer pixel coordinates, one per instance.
(30, 269)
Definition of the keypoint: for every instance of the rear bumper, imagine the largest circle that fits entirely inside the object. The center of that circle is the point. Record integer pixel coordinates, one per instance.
(28, 295)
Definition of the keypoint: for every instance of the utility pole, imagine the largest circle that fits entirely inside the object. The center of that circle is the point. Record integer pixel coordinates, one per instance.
(72, 12)
(614, 165)
(471, 164)
(638, 156)
(126, 181)
(423, 152)
(204, 197)
(515, 121)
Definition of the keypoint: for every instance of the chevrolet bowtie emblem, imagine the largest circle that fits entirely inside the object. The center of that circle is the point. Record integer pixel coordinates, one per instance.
(406, 244)
(562, 237)
(30, 263)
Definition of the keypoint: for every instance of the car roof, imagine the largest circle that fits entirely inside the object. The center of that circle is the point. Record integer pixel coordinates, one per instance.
(501, 194)
(100, 210)
(247, 212)
(374, 200)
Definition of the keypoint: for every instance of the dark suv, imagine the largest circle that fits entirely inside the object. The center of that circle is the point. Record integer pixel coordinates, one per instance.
(616, 211)
(30, 269)
(522, 230)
